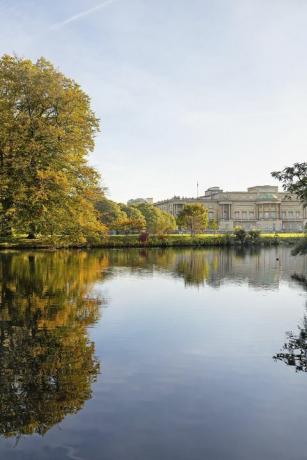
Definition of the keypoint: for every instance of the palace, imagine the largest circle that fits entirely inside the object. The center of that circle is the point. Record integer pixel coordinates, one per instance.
(262, 207)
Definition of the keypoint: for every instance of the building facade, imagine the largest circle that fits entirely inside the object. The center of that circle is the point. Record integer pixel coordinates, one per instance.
(262, 207)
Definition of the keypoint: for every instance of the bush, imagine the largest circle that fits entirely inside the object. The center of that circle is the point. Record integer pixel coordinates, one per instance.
(240, 235)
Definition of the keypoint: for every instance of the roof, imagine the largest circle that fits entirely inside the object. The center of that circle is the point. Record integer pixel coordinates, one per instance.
(267, 197)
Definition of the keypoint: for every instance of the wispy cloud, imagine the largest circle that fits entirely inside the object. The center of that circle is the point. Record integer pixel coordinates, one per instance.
(81, 15)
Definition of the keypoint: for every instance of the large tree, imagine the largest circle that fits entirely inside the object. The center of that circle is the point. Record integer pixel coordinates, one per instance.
(294, 181)
(47, 130)
(193, 217)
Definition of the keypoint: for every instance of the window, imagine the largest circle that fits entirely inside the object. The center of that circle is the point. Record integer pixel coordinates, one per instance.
(266, 215)
(290, 213)
(251, 214)
(244, 214)
(237, 214)
(283, 214)
(298, 214)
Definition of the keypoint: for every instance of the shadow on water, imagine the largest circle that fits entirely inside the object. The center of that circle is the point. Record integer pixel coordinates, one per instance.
(47, 362)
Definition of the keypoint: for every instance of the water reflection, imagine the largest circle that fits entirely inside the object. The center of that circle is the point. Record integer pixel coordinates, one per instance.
(263, 268)
(47, 303)
(294, 350)
(47, 362)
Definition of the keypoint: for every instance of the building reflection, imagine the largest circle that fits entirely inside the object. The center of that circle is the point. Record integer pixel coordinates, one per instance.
(259, 268)
(47, 361)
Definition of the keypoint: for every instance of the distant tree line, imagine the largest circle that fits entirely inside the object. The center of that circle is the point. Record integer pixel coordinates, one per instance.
(121, 218)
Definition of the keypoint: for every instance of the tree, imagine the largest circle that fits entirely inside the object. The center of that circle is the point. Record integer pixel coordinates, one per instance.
(294, 180)
(47, 130)
(213, 225)
(193, 217)
(111, 214)
(157, 221)
(240, 235)
(167, 222)
(254, 236)
(135, 220)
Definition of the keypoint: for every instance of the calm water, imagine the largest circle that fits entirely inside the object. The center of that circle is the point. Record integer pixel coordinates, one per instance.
(148, 355)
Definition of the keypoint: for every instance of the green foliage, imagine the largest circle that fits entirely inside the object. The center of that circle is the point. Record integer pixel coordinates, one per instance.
(47, 129)
(294, 180)
(240, 235)
(213, 225)
(193, 217)
(135, 221)
(158, 240)
(167, 222)
(111, 214)
(254, 235)
(243, 237)
(157, 221)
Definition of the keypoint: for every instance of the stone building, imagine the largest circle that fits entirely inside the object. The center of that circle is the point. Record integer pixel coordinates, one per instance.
(262, 207)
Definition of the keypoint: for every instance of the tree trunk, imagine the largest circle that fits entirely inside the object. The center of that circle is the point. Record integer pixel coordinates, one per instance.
(32, 232)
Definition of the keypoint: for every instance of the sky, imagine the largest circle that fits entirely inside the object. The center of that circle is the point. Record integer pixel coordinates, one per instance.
(187, 91)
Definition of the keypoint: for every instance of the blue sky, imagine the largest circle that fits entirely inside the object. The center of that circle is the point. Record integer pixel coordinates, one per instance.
(213, 91)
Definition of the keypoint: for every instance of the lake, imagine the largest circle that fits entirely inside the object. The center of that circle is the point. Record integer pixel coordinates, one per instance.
(153, 354)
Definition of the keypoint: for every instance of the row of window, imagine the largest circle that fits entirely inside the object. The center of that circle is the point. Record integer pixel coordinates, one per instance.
(265, 214)
(290, 214)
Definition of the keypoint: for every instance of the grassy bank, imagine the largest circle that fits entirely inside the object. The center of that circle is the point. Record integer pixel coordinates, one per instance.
(206, 240)
(161, 241)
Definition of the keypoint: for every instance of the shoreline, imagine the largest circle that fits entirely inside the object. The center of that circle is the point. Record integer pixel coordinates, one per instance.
(164, 241)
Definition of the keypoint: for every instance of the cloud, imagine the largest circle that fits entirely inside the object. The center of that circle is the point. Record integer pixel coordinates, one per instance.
(81, 15)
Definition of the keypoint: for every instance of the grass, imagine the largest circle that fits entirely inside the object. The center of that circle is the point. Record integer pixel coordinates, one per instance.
(283, 235)
(132, 241)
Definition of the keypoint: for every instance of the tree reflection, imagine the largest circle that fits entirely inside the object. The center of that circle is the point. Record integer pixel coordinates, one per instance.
(193, 266)
(294, 350)
(47, 362)
(195, 269)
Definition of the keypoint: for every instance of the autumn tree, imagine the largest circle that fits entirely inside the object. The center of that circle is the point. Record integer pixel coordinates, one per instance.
(193, 217)
(111, 214)
(47, 129)
(157, 221)
(135, 220)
